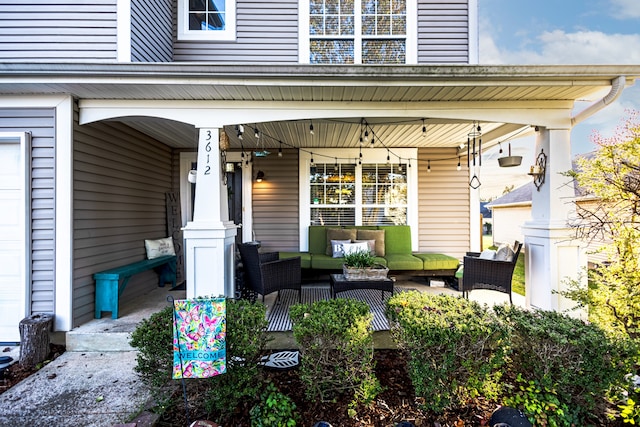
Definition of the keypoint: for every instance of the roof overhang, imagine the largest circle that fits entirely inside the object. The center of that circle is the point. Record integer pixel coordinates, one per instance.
(394, 99)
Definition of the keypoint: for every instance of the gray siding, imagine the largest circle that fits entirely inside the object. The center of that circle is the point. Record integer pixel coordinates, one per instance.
(41, 124)
(267, 32)
(443, 31)
(275, 202)
(443, 203)
(152, 30)
(46, 30)
(120, 180)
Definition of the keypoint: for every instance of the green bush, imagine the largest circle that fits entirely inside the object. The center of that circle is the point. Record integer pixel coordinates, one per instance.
(274, 410)
(562, 370)
(153, 338)
(456, 347)
(336, 348)
(246, 341)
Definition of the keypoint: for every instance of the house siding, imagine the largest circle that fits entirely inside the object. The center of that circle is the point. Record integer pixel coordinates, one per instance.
(41, 124)
(276, 202)
(120, 180)
(152, 30)
(267, 32)
(443, 31)
(73, 31)
(443, 203)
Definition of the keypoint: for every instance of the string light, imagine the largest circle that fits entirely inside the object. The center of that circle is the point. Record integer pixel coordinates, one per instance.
(424, 129)
(428, 165)
(240, 130)
(280, 149)
(335, 166)
(366, 135)
(311, 128)
(256, 133)
(312, 162)
(459, 167)
(409, 162)
(388, 159)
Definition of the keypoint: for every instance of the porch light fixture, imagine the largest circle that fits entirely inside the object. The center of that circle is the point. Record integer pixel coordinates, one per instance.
(192, 176)
(229, 167)
(259, 176)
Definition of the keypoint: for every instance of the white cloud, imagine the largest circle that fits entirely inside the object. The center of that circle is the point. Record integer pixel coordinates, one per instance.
(630, 9)
(559, 47)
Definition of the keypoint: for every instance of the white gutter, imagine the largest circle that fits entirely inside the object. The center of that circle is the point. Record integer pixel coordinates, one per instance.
(617, 87)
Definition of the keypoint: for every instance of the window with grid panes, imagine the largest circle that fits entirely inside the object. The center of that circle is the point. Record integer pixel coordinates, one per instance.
(339, 198)
(358, 31)
(206, 19)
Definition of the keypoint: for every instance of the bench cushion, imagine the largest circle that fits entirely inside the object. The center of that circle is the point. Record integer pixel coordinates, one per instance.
(397, 239)
(432, 261)
(403, 262)
(305, 257)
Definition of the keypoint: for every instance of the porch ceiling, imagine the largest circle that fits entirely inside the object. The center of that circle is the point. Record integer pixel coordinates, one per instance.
(417, 87)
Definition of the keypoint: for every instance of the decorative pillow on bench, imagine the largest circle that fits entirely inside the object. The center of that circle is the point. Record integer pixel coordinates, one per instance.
(159, 247)
(377, 235)
(339, 234)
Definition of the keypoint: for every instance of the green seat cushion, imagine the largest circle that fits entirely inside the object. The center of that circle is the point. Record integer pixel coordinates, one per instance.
(397, 239)
(460, 272)
(326, 262)
(403, 262)
(305, 257)
(438, 261)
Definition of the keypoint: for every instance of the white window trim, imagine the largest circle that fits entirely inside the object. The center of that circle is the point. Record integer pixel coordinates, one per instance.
(370, 155)
(228, 34)
(304, 38)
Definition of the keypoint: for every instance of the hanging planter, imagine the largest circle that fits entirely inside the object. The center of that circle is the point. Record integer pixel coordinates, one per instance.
(509, 161)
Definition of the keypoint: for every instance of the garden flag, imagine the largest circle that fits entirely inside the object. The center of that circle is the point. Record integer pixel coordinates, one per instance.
(199, 332)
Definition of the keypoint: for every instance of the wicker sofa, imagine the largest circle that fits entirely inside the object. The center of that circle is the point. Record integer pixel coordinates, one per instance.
(393, 250)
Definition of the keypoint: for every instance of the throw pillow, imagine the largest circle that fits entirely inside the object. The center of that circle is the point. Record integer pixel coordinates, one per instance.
(504, 253)
(159, 247)
(337, 249)
(488, 254)
(339, 234)
(355, 247)
(377, 235)
(371, 244)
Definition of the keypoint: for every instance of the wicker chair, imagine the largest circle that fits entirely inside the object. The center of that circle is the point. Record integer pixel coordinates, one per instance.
(264, 273)
(488, 273)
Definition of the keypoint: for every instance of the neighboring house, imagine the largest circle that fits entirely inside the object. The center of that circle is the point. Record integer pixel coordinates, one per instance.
(106, 106)
(510, 212)
(513, 210)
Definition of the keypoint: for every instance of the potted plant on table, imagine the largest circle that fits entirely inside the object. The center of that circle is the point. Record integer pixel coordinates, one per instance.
(360, 265)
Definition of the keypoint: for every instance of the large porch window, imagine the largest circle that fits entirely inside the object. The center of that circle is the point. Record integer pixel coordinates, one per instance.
(339, 191)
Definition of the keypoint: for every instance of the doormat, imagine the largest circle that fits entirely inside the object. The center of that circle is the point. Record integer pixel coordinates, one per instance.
(278, 315)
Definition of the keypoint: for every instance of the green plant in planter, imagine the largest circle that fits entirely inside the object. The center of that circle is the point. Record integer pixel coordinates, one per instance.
(359, 259)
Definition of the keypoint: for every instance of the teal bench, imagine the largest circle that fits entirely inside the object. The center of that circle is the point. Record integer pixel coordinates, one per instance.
(109, 289)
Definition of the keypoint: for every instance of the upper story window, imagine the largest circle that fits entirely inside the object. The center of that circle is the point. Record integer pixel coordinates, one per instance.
(206, 19)
(358, 31)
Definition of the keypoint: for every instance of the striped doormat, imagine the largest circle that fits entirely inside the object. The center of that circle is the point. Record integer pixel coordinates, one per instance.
(278, 315)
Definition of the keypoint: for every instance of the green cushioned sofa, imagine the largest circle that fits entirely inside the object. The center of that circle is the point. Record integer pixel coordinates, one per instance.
(397, 255)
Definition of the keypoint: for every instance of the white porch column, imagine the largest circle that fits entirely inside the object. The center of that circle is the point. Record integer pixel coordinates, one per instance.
(209, 238)
(551, 255)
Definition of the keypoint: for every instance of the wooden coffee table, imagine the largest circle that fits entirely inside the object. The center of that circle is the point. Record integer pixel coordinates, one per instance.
(340, 284)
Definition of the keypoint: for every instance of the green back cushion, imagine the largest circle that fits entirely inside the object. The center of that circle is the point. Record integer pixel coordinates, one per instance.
(397, 239)
(317, 239)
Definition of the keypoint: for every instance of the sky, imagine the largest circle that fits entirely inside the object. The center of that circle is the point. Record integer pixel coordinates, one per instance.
(564, 32)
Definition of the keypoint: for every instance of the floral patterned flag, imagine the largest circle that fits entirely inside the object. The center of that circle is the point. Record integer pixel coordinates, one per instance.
(199, 332)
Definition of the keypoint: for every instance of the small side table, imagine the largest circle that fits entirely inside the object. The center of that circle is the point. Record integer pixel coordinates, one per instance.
(340, 284)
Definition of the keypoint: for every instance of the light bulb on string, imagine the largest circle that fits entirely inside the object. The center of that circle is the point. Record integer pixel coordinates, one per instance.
(388, 159)
(311, 128)
(424, 129)
(256, 133)
(428, 165)
(335, 166)
(366, 135)
(458, 167)
(280, 149)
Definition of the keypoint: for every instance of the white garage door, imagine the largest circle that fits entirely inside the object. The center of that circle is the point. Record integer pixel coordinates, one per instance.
(12, 236)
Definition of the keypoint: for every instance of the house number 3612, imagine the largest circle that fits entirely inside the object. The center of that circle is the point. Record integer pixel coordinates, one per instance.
(207, 148)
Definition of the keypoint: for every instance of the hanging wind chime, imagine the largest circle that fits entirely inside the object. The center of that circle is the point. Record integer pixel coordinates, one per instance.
(474, 140)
